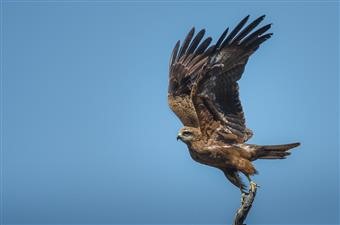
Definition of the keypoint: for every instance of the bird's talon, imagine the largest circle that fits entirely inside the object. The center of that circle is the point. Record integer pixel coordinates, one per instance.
(253, 186)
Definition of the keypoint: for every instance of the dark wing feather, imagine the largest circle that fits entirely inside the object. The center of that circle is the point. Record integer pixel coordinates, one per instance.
(215, 94)
(186, 42)
(185, 63)
(195, 42)
(235, 31)
(219, 41)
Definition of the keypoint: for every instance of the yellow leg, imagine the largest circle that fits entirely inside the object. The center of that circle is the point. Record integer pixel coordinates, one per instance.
(252, 184)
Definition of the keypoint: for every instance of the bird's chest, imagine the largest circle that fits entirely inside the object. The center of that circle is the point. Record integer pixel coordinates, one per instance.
(207, 157)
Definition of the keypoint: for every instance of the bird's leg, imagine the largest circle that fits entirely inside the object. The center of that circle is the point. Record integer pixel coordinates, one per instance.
(252, 184)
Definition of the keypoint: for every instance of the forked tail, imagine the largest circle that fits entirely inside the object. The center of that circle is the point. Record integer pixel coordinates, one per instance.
(274, 151)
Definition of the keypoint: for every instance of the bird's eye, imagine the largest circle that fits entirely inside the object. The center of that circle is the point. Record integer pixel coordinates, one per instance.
(186, 133)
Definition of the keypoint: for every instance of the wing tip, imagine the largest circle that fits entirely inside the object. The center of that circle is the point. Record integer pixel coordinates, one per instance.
(174, 53)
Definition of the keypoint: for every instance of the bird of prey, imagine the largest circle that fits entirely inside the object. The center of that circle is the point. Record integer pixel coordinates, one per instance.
(204, 94)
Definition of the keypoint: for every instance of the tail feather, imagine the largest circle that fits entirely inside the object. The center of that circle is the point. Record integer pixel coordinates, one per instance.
(274, 151)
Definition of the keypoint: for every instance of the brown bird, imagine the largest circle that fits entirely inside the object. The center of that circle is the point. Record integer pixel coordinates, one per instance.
(203, 92)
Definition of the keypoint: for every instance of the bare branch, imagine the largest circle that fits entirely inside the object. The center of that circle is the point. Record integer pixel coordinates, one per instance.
(246, 204)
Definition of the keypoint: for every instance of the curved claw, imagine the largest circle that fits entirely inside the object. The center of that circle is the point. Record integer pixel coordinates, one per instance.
(253, 186)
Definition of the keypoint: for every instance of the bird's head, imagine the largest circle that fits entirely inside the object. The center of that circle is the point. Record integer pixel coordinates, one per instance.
(188, 134)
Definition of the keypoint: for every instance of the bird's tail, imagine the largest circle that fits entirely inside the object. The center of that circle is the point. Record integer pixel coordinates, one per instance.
(273, 151)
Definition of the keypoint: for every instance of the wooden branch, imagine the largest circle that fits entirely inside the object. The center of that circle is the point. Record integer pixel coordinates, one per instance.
(246, 203)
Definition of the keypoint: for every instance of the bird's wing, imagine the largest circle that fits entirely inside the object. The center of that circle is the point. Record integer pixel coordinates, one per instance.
(185, 63)
(215, 94)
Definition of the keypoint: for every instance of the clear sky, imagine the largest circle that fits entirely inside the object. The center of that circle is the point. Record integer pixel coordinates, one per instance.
(88, 136)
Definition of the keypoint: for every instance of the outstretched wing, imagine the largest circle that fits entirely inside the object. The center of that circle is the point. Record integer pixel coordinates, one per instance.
(215, 94)
(185, 64)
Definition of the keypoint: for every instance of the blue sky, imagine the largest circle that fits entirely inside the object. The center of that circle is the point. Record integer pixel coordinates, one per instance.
(88, 136)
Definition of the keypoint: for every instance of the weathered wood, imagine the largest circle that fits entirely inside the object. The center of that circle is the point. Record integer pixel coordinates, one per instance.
(246, 204)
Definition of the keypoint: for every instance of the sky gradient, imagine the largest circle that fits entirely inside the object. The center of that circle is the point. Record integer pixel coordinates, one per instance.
(88, 136)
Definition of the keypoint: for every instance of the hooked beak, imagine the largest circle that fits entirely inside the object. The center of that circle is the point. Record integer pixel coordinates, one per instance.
(178, 137)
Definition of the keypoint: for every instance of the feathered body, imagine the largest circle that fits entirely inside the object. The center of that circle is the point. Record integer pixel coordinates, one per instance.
(204, 94)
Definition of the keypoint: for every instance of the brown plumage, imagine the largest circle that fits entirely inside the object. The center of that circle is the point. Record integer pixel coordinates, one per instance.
(204, 94)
